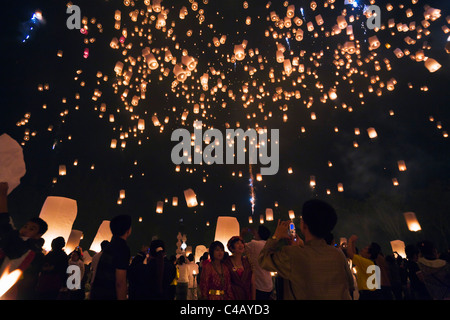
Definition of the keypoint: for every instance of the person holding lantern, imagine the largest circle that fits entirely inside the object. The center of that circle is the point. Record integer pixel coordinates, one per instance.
(23, 246)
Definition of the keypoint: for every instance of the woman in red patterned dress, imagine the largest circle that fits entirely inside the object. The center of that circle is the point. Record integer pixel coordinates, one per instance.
(242, 280)
(215, 278)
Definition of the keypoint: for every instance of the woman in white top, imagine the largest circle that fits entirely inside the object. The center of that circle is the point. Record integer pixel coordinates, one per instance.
(183, 280)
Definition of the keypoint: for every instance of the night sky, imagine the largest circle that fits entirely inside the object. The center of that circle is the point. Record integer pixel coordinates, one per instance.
(370, 205)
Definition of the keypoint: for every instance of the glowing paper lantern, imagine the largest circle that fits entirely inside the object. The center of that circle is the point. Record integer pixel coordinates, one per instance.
(175, 201)
(226, 228)
(12, 165)
(141, 124)
(401, 165)
(399, 247)
(374, 43)
(199, 251)
(432, 65)
(159, 207)
(62, 170)
(269, 214)
(191, 198)
(412, 222)
(291, 214)
(372, 133)
(103, 233)
(59, 213)
(239, 52)
(312, 181)
(73, 241)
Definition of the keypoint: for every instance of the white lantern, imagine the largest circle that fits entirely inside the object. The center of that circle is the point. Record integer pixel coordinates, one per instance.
(141, 124)
(399, 247)
(73, 241)
(103, 233)
(59, 213)
(432, 65)
(412, 222)
(199, 251)
(269, 214)
(62, 170)
(159, 207)
(401, 165)
(191, 198)
(291, 214)
(372, 133)
(226, 228)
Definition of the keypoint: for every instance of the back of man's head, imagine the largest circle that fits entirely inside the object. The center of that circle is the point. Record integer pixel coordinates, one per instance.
(263, 232)
(120, 224)
(320, 217)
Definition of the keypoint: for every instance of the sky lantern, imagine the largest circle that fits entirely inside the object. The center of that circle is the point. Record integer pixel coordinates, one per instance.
(372, 133)
(269, 214)
(341, 22)
(191, 198)
(432, 65)
(159, 207)
(122, 194)
(374, 43)
(290, 12)
(199, 251)
(312, 181)
(239, 52)
(103, 233)
(412, 222)
(399, 247)
(60, 214)
(226, 227)
(174, 201)
(332, 94)
(73, 241)
(141, 124)
(62, 170)
(291, 214)
(401, 165)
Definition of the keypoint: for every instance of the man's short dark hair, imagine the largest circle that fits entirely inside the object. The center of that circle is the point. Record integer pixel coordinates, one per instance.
(43, 227)
(120, 224)
(263, 232)
(320, 217)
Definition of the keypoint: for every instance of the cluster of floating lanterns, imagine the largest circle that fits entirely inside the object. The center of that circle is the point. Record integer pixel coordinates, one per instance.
(310, 55)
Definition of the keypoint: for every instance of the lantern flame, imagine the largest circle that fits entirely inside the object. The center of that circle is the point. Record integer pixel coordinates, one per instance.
(8, 279)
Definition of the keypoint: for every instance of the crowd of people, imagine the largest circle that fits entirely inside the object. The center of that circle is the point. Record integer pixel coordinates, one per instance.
(278, 266)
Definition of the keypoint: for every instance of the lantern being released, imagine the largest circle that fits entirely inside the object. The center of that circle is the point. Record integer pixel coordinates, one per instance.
(103, 233)
(73, 241)
(399, 247)
(60, 214)
(269, 214)
(226, 228)
(191, 198)
(412, 222)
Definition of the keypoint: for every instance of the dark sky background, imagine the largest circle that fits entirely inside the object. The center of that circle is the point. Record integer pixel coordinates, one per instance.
(370, 205)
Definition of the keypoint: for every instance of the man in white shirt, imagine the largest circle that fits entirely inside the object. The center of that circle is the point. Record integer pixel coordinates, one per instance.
(263, 278)
(192, 268)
